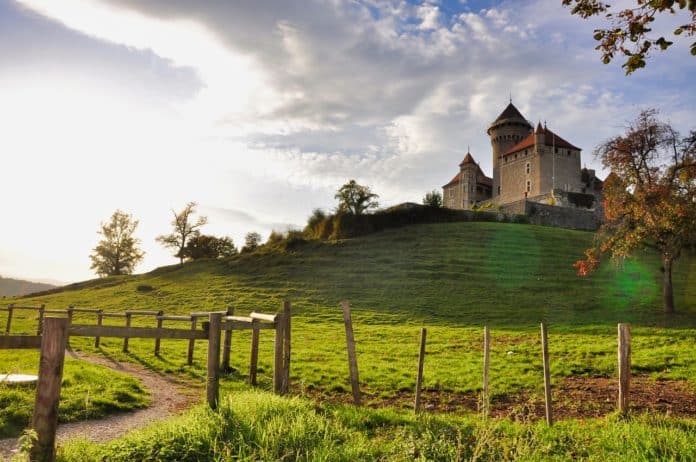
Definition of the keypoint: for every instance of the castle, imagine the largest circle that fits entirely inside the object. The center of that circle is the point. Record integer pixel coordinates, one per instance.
(529, 165)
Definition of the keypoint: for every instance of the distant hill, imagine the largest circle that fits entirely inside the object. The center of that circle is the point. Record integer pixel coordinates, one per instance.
(17, 287)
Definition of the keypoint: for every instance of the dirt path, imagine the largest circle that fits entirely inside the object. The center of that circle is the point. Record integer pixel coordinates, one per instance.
(167, 396)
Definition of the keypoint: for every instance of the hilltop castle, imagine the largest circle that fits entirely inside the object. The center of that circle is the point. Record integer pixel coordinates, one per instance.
(529, 165)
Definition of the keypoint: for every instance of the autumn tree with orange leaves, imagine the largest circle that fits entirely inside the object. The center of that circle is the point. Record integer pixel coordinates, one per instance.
(649, 197)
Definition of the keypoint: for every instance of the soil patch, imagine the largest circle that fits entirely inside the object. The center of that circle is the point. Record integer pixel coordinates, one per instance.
(574, 397)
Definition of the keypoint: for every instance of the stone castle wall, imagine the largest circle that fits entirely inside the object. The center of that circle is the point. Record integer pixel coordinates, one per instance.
(553, 215)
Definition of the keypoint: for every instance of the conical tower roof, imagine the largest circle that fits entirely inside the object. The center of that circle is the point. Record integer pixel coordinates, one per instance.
(510, 112)
(468, 159)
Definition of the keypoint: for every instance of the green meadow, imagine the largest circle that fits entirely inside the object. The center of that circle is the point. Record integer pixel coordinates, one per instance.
(451, 278)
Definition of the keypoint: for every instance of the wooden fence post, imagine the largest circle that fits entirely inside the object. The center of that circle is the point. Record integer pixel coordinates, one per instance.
(419, 377)
(286, 346)
(45, 418)
(486, 365)
(125, 339)
(547, 374)
(624, 365)
(254, 357)
(159, 315)
(100, 321)
(352, 359)
(39, 328)
(227, 345)
(278, 354)
(10, 308)
(215, 320)
(71, 313)
(192, 342)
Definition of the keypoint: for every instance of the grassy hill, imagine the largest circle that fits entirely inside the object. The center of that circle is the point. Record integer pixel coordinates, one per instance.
(452, 278)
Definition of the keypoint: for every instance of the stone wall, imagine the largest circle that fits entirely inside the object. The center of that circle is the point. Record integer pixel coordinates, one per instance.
(552, 215)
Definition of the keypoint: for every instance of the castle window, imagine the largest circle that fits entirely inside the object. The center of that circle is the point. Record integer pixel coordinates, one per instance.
(529, 186)
(515, 156)
(529, 167)
(556, 150)
(568, 152)
(498, 190)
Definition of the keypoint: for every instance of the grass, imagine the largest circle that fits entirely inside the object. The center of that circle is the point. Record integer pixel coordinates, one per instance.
(452, 278)
(88, 391)
(259, 426)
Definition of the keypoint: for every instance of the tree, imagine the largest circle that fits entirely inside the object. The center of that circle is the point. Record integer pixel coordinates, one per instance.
(251, 241)
(117, 252)
(433, 199)
(649, 197)
(355, 199)
(630, 28)
(205, 246)
(183, 229)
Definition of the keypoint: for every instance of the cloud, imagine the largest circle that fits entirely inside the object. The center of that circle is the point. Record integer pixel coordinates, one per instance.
(267, 107)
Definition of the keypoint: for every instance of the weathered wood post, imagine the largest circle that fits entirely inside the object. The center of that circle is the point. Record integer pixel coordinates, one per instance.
(227, 345)
(254, 357)
(286, 346)
(192, 342)
(39, 328)
(158, 340)
(624, 365)
(100, 321)
(212, 394)
(129, 315)
(278, 354)
(45, 418)
(352, 358)
(419, 377)
(8, 326)
(71, 313)
(486, 365)
(547, 374)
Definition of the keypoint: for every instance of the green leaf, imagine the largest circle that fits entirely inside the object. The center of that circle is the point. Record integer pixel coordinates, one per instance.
(693, 49)
(678, 30)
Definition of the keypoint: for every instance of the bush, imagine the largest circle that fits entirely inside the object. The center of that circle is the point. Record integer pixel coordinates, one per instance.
(314, 223)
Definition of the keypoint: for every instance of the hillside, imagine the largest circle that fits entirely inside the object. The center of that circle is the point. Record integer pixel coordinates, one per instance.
(452, 278)
(462, 274)
(17, 287)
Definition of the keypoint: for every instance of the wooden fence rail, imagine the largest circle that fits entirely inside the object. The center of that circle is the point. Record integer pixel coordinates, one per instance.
(57, 331)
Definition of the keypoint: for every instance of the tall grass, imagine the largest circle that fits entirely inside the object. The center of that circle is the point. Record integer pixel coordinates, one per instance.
(260, 426)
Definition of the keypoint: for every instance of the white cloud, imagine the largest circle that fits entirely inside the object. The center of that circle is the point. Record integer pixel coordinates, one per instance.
(294, 98)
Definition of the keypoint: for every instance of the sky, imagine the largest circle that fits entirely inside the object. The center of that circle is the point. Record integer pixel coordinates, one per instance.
(259, 110)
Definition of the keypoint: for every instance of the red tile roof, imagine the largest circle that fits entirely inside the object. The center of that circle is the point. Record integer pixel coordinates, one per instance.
(467, 160)
(550, 139)
(481, 178)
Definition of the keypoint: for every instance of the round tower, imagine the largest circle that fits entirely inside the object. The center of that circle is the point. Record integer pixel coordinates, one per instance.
(506, 131)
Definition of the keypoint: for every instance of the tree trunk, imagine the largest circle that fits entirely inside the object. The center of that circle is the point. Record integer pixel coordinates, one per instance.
(667, 292)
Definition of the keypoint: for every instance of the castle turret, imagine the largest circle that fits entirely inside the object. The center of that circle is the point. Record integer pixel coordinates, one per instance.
(507, 130)
(539, 139)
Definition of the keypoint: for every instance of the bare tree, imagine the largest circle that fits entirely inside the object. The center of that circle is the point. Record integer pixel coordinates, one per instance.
(183, 229)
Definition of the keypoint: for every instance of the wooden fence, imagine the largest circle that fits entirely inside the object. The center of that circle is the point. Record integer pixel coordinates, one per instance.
(53, 334)
(624, 366)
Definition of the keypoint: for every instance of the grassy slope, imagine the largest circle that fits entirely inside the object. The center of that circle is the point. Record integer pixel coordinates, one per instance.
(452, 278)
(259, 426)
